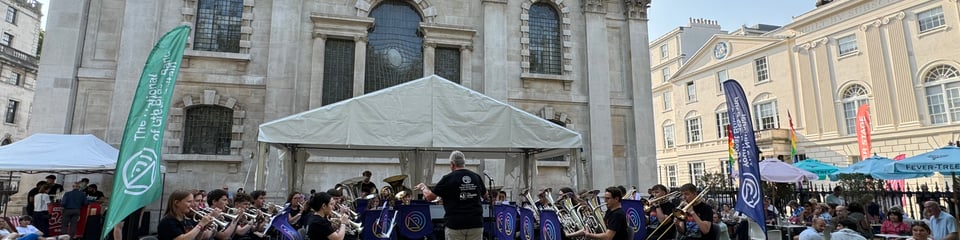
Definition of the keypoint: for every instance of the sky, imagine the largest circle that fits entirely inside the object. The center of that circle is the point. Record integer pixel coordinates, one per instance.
(666, 15)
(43, 9)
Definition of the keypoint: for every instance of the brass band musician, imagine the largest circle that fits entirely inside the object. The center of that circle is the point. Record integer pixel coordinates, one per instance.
(615, 219)
(175, 224)
(660, 215)
(699, 218)
(366, 186)
(320, 226)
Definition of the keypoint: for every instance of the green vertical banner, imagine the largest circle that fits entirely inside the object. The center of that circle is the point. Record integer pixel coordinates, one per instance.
(137, 181)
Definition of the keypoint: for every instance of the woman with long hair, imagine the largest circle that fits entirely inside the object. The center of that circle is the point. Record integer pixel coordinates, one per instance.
(894, 224)
(174, 224)
(320, 226)
(295, 202)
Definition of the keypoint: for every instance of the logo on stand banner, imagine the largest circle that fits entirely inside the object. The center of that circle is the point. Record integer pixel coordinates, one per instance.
(633, 219)
(415, 221)
(139, 174)
(549, 230)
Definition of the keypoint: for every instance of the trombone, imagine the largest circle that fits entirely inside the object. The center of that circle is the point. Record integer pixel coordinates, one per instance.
(648, 204)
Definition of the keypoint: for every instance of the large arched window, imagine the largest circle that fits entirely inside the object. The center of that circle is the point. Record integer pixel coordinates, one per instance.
(206, 130)
(943, 94)
(395, 50)
(853, 97)
(545, 41)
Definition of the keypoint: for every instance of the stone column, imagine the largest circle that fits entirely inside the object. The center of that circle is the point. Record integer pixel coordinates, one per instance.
(282, 55)
(641, 170)
(905, 107)
(880, 81)
(429, 57)
(57, 77)
(466, 70)
(598, 93)
(495, 49)
(141, 30)
(822, 59)
(808, 91)
(316, 70)
(359, 65)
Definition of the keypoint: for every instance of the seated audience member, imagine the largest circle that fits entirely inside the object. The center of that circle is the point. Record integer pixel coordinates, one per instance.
(894, 224)
(846, 230)
(921, 231)
(814, 231)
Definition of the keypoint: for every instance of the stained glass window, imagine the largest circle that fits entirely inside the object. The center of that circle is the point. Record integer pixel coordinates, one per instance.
(338, 70)
(395, 50)
(218, 25)
(545, 42)
(206, 130)
(447, 63)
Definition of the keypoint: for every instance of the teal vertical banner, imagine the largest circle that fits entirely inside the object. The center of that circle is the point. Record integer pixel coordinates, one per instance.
(137, 179)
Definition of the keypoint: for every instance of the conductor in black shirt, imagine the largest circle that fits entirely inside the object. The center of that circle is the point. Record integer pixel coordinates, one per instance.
(615, 219)
(461, 191)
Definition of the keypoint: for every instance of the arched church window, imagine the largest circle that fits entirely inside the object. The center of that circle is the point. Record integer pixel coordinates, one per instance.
(395, 47)
(545, 41)
(206, 130)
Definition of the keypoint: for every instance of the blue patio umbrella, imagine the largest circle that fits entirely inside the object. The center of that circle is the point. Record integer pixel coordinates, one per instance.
(945, 160)
(816, 167)
(876, 167)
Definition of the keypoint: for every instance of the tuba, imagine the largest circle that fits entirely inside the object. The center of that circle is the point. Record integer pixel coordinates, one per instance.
(592, 212)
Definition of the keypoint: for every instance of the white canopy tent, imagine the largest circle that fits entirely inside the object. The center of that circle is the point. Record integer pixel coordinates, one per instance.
(430, 114)
(59, 153)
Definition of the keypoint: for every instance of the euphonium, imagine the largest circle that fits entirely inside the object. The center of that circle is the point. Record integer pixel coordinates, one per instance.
(630, 193)
(532, 206)
(352, 227)
(570, 219)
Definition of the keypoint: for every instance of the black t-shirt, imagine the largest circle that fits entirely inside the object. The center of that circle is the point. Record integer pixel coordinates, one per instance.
(705, 212)
(664, 224)
(461, 191)
(320, 228)
(616, 220)
(170, 228)
(53, 190)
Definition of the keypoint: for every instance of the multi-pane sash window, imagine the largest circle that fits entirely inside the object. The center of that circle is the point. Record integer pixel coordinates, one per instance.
(14, 78)
(694, 130)
(943, 94)
(691, 92)
(930, 19)
(11, 15)
(722, 123)
(667, 103)
(766, 115)
(666, 74)
(664, 51)
(696, 172)
(853, 97)
(6, 39)
(847, 45)
(721, 76)
(672, 176)
(763, 74)
(668, 136)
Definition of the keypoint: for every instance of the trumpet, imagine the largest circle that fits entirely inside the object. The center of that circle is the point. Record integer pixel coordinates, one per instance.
(234, 212)
(350, 213)
(215, 224)
(352, 227)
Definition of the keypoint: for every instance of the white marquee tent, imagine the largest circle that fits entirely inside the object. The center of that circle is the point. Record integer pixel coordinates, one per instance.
(59, 153)
(430, 114)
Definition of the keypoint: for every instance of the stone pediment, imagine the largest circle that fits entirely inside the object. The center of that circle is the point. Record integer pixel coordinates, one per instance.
(723, 48)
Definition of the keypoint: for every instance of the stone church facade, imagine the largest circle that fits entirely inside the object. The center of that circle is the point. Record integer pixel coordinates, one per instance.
(581, 64)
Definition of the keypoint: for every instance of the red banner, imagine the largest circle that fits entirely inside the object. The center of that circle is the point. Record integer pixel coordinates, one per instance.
(863, 131)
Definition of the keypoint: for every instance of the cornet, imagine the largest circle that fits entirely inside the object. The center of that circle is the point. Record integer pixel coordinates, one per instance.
(215, 224)
(352, 227)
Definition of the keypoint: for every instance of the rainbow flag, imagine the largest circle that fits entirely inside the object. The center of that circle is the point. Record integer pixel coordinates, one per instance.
(793, 137)
(730, 148)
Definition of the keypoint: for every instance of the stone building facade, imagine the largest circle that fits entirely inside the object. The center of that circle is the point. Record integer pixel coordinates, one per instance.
(896, 56)
(19, 40)
(581, 64)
